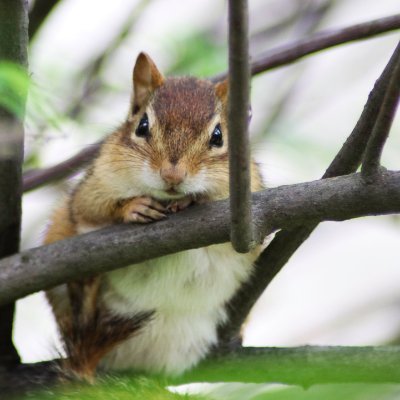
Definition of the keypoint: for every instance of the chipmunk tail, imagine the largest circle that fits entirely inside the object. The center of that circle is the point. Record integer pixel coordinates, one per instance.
(91, 331)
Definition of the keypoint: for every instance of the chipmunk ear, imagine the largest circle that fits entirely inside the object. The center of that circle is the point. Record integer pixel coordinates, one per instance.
(221, 90)
(146, 78)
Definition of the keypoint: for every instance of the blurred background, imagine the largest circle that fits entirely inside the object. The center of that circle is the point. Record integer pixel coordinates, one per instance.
(342, 287)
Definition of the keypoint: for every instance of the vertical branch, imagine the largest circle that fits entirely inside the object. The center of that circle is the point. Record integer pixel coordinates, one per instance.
(380, 133)
(286, 242)
(238, 109)
(13, 48)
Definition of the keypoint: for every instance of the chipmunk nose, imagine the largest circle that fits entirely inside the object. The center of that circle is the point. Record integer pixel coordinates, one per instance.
(172, 174)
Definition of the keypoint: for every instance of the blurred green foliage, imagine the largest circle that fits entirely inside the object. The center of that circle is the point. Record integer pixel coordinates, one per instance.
(14, 84)
(31, 161)
(198, 54)
(138, 388)
(144, 388)
(333, 392)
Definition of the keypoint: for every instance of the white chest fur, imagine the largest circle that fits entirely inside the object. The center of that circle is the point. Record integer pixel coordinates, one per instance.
(188, 292)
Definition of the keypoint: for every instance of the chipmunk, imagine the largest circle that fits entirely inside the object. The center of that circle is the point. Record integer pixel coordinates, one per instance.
(159, 316)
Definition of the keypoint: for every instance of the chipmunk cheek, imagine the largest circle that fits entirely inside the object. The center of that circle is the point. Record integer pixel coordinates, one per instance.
(150, 177)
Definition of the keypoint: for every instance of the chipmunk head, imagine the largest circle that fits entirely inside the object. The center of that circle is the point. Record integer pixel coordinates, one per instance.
(177, 131)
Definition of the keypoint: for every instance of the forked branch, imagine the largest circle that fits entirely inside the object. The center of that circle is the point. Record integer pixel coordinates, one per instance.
(286, 242)
(373, 152)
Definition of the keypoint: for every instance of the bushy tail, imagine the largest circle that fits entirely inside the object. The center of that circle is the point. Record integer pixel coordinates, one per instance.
(91, 331)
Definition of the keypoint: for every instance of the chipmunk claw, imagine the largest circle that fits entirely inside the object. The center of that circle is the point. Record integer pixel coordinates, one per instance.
(179, 205)
(143, 210)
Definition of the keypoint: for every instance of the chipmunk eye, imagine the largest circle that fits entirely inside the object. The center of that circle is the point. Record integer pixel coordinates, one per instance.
(216, 137)
(142, 129)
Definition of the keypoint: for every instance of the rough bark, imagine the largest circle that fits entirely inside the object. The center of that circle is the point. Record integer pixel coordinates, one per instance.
(238, 117)
(334, 199)
(13, 48)
(373, 152)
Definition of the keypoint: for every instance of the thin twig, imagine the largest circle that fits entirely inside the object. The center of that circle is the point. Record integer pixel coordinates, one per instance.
(275, 58)
(293, 51)
(238, 109)
(308, 21)
(286, 242)
(34, 178)
(380, 133)
(285, 207)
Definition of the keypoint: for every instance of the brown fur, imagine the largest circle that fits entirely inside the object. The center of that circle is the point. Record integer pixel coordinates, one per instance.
(184, 112)
(87, 329)
(90, 331)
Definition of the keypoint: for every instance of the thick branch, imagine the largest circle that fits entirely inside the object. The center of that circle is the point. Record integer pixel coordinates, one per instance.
(285, 243)
(238, 109)
(304, 366)
(13, 48)
(333, 199)
(373, 152)
(273, 59)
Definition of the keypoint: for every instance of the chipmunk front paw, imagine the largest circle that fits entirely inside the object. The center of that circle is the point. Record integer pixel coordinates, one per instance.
(179, 205)
(142, 210)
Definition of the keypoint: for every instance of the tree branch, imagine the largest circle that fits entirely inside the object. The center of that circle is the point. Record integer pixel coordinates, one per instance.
(40, 11)
(380, 133)
(334, 199)
(293, 51)
(13, 48)
(238, 116)
(304, 366)
(23, 378)
(274, 58)
(37, 177)
(285, 243)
